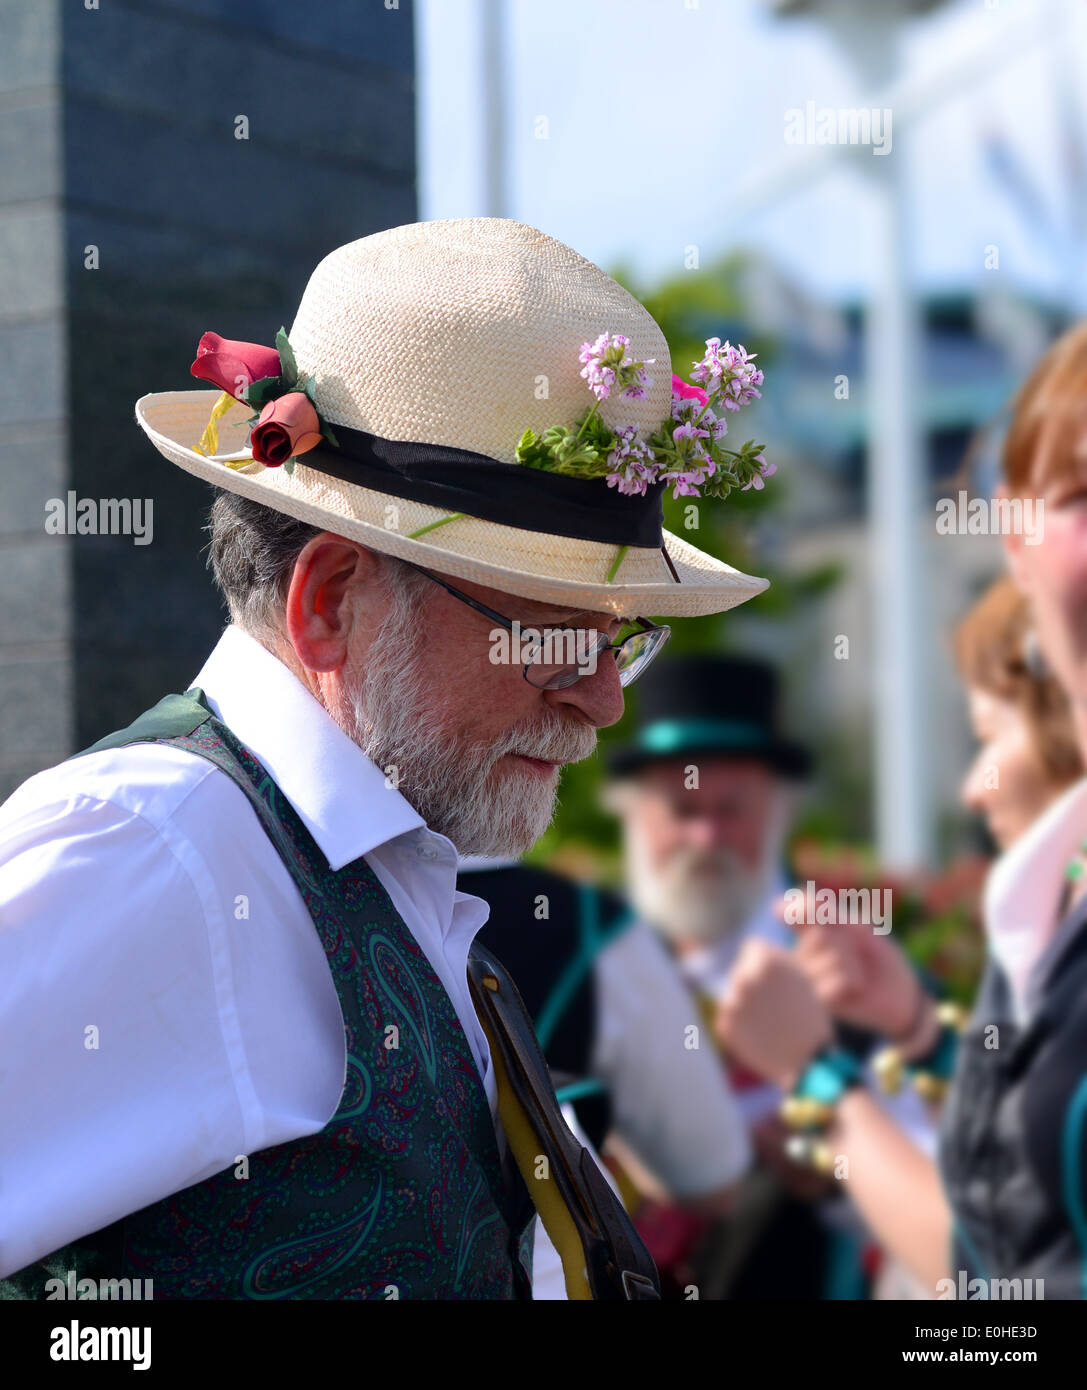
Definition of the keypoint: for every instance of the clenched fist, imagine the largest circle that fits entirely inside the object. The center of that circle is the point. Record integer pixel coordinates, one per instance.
(769, 1016)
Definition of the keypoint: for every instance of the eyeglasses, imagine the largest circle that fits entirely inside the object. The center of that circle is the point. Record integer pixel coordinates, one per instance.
(632, 655)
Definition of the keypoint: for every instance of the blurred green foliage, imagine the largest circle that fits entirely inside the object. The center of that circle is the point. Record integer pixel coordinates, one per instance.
(690, 307)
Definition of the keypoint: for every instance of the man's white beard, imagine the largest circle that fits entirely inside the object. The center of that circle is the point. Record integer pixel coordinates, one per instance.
(701, 897)
(397, 720)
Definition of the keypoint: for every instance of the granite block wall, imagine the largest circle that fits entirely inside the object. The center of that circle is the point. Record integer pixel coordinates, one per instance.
(132, 219)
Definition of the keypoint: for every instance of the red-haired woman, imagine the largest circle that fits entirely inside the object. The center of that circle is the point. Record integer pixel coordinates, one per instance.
(1008, 1198)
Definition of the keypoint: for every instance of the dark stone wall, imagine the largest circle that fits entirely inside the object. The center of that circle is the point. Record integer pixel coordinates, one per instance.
(35, 617)
(197, 229)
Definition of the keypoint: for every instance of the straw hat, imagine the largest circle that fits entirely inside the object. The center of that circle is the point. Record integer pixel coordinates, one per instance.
(458, 335)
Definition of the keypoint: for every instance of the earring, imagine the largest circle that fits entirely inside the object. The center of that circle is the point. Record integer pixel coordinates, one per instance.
(1033, 657)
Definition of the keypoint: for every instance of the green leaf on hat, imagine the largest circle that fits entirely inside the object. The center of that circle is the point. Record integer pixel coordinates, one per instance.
(288, 467)
(554, 438)
(326, 430)
(286, 359)
(568, 452)
(532, 452)
(259, 393)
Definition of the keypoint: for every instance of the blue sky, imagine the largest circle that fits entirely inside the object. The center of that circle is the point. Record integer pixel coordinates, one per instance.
(620, 178)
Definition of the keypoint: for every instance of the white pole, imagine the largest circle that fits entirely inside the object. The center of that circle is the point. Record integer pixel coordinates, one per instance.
(897, 471)
(495, 119)
(897, 484)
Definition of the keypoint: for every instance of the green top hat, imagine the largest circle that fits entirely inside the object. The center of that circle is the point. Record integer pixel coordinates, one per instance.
(723, 705)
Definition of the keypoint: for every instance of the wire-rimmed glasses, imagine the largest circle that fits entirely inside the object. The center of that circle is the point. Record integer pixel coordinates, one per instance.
(557, 664)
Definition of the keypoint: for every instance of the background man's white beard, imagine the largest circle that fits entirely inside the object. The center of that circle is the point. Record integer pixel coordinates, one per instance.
(684, 908)
(703, 911)
(456, 788)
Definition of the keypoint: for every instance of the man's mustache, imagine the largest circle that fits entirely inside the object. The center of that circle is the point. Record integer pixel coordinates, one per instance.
(559, 741)
(723, 863)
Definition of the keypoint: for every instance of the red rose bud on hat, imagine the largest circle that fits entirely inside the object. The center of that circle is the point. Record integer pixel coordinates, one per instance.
(231, 366)
(287, 426)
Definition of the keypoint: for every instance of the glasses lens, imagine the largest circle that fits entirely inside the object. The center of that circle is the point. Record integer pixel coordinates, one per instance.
(585, 646)
(631, 659)
(638, 651)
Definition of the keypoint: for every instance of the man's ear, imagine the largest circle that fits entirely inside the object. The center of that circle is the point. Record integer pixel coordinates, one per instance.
(322, 606)
(1012, 543)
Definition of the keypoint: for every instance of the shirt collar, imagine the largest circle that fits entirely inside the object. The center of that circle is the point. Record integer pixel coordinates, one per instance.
(339, 793)
(1024, 885)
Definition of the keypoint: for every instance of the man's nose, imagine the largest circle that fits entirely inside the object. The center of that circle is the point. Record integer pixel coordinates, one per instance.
(702, 832)
(599, 697)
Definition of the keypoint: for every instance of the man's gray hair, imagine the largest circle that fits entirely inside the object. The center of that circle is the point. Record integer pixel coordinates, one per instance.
(252, 555)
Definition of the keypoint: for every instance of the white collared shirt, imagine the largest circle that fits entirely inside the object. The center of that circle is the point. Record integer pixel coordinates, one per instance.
(165, 1002)
(706, 970)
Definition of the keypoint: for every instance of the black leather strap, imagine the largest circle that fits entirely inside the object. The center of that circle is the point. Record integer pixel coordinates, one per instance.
(617, 1263)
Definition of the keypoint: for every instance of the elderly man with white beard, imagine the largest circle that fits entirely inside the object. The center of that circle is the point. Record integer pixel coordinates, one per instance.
(706, 789)
(251, 1048)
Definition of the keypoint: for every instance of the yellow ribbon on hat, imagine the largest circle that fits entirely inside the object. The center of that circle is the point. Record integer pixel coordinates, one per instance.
(209, 446)
(209, 440)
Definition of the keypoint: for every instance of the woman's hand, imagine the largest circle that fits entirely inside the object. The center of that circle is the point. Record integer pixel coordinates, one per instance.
(861, 978)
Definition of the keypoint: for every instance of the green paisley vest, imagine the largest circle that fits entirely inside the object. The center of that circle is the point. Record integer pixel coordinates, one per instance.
(402, 1194)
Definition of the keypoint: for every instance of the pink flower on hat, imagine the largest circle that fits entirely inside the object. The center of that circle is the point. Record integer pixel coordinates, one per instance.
(607, 364)
(730, 371)
(632, 464)
(287, 426)
(766, 470)
(233, 366)
(684, 391)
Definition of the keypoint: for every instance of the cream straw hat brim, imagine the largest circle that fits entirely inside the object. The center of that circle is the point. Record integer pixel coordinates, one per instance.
(461, 334)
(551, 569)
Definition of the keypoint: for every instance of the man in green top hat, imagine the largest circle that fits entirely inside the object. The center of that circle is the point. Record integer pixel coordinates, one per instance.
(706, 787)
